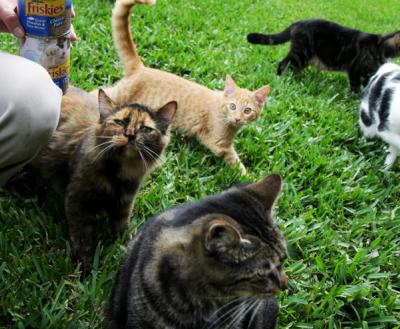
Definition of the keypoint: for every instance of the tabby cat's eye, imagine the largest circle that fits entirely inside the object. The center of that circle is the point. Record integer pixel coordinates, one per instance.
(145, 129)
(232, 106)
(247, 110)
(119, 122)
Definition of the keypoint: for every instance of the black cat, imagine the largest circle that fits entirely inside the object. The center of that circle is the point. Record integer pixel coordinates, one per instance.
(330, 46)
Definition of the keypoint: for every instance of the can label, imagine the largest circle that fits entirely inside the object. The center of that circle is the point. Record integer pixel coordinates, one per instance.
(53, 54)
(45, 18)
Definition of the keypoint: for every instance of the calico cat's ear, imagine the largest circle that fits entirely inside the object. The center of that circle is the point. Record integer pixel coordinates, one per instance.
(266, 190)
(391, 44)
(261, 95)
(165, 115)
(230, 86)
(221, 235)
(106, 105)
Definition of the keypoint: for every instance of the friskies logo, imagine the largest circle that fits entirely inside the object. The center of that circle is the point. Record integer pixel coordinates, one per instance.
(44, 7)
(59, 71)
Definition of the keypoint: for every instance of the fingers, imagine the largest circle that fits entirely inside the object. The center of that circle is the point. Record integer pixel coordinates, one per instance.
(72, 35)
(9, 21)
(72, 31)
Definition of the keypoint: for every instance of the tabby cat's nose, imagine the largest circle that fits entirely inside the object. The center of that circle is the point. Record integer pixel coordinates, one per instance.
(280, 278)
(284, 281)
(131, 138)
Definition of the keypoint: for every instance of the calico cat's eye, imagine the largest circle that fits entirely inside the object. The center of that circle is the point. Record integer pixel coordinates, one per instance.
(145, 129)
(232, 106)
(119, 122)
(247, 110)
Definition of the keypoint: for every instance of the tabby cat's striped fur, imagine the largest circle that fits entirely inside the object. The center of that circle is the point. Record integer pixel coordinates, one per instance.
(211, 264)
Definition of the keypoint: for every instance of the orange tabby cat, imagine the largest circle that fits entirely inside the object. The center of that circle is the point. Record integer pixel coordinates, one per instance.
(212, 116)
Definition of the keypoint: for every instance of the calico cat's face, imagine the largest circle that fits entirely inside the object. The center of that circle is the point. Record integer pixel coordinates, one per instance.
(241, 105)
(132, 129)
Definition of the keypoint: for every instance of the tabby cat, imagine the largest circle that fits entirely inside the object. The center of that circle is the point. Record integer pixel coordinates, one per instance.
(213, 117)
(213, 264)
(330, 46)
(379, 111)
(99, 156)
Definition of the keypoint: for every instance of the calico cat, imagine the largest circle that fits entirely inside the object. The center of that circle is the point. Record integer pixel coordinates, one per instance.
(213, 264)
(213, 117)
(379, 110)
(330, 46)
(99, 156)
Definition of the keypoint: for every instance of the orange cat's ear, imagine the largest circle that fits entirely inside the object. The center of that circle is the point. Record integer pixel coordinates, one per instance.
(230, 86)
(261, 95)
(106, 105)
(165, 115)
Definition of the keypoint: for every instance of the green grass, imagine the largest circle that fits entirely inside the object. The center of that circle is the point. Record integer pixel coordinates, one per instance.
(339, 211)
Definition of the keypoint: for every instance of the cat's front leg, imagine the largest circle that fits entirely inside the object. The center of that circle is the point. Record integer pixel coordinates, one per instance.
(233, 159)
(391, 157)
(120, 215)
(82, 226)
(226, 150)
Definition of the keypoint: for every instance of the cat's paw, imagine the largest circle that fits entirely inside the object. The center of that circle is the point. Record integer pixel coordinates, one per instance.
(243, 169)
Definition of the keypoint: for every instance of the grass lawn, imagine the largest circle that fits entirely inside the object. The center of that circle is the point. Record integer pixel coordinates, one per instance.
(339, 211)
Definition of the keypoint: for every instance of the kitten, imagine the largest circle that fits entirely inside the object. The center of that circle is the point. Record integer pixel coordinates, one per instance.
(330, 46)
(213, 117)
(213, 264)
(54, 55)
(379, 112)
(100, 156)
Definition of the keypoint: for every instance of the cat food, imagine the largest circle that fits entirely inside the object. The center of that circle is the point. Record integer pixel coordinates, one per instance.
(53, 54)
(47, 24)
(45, 18)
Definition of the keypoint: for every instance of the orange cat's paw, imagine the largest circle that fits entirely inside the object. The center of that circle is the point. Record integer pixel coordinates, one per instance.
(243, 169)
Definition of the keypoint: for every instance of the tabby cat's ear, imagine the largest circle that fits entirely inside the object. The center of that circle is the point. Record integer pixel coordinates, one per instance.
(391, 44)
(221, 235)
(106, 105)
(266, 190)
(230, 86)
(261, 95)
(165, 115)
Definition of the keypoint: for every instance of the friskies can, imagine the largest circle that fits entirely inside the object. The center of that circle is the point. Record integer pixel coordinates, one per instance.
(53, 54)
(47, 26)
(45, 18)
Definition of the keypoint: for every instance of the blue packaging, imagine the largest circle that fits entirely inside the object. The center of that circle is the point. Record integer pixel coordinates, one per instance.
(45, 18)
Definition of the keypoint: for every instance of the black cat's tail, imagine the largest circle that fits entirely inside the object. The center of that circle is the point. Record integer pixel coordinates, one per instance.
(270, 39)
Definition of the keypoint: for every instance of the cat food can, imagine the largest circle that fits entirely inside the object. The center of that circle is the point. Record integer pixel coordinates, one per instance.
(45, 18)
(53, 54)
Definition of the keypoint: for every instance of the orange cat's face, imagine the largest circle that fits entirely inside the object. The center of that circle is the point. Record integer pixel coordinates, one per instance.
(241, 105)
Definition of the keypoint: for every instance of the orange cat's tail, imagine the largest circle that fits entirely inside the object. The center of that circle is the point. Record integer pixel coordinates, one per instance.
(122, 34)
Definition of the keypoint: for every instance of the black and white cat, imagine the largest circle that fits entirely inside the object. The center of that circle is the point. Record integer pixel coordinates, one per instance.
(380, 109)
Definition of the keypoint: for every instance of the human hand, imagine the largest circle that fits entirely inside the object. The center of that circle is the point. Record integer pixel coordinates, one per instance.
(9, 21)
